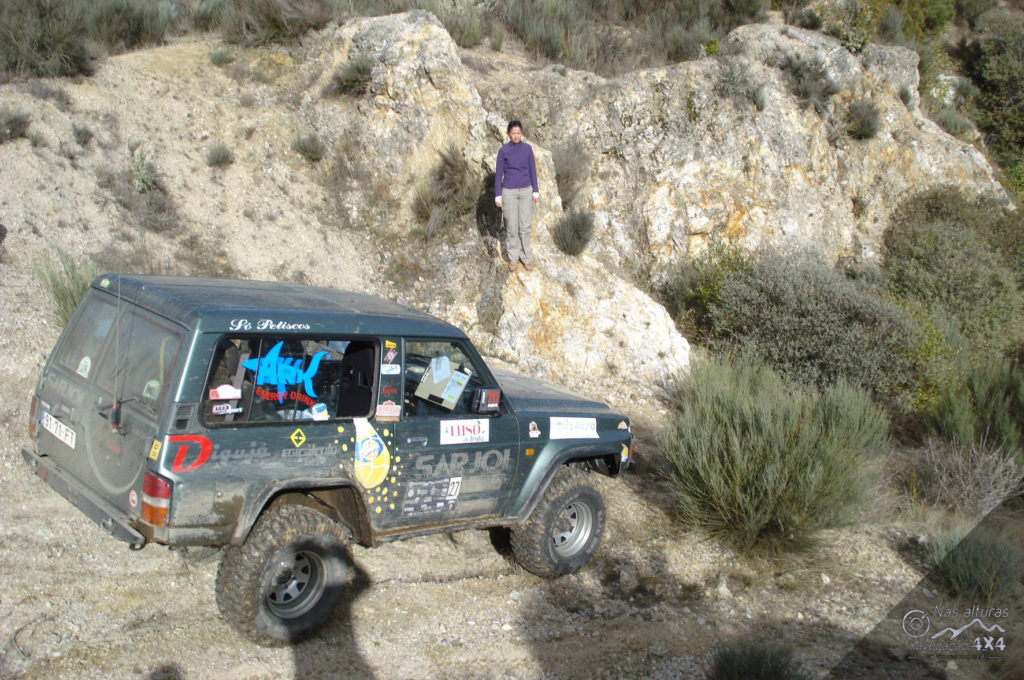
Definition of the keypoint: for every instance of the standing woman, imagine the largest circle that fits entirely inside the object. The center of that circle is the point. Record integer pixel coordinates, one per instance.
(515, 192)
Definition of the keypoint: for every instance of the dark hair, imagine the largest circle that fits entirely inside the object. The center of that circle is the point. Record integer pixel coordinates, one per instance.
(512, 124)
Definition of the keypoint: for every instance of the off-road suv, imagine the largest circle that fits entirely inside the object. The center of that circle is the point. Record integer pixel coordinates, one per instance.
(283, 421)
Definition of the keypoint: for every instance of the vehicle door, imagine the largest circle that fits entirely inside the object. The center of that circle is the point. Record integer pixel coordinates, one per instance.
(455, 464)
(103, 393)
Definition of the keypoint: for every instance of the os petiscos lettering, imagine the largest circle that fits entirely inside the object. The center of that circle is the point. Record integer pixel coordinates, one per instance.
(266, 325)
(271, 369)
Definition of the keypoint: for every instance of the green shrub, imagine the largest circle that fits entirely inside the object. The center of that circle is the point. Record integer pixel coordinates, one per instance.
(57, 95)
(82, 134)
(44, 38)
(736, 85)
(951, 121)
(261, 22)
(497, 36)
(764, 461)
(65, 280)
(938, 252)
(862, 119)
(994, 61)
(890, 26)
(690, 291)
(309, 147)
(987, 404)
(749, 660)
(813, 324)
(353, 79)
(450, 193)
(141, 194)
(926, 17)
(685, 44)
(123, 25)
(971, 10)
(572, 168)
(219, 155)
(981, 565)
(573, 231)
(221, 57)
(13, 125)
(809, 82)
(906, 96)
(809, 19)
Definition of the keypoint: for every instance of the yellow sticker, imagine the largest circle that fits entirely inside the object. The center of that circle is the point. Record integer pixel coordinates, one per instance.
(390, 344)
(298, 437)
(154, 450)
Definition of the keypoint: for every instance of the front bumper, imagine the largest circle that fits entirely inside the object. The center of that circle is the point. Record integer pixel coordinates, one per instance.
(111, 520)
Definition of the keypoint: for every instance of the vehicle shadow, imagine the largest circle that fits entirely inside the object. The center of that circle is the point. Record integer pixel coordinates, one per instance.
(334, 651)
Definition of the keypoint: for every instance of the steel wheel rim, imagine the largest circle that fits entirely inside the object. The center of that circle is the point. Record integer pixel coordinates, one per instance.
(297, 584)
(572, 529)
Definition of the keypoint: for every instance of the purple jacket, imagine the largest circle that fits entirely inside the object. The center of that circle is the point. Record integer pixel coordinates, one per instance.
(516, 168)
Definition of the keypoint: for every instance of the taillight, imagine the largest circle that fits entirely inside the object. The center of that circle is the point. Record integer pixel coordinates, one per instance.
(32, 417)
(156, 499)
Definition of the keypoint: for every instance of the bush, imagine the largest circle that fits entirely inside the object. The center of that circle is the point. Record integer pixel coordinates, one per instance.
(764, 461)
(972, 476)
(221, 57)
(57, 95)
(890, 26)
(987, 405)
(353, 79)
(937, 251)
(862, 119)
(573, 231)
(13, 125)
(994, 62)
(65, 281)
(309, 147)
(809, 82)
(951, 121)
(926, 17)
(689, 292)
(123, 25)
(809, 322)
(981, 566)
(572, 168)
(449, 194)
(43, 38)
(261, 22)
(219, 155)
(82, 134)
(141, 193)
(747, 660)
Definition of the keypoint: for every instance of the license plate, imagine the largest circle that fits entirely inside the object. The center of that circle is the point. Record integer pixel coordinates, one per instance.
(59, 429)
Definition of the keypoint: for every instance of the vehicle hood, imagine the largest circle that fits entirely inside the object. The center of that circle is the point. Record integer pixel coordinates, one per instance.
(530, 394)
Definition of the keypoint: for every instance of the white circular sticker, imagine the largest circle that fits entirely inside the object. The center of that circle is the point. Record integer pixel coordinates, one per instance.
(133, 498)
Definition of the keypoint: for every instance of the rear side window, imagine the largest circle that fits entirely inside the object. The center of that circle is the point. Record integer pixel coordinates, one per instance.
(84, 339)
(269, 379)
(138, 360)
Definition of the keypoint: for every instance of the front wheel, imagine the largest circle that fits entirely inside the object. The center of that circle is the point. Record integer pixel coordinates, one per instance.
(564, 530)
(287, 578)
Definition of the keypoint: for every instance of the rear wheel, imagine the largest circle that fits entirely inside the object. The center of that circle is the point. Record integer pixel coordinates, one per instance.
(287, 578)
(564, 530)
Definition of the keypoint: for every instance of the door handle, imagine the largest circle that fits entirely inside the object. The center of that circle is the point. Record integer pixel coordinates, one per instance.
(422, 441)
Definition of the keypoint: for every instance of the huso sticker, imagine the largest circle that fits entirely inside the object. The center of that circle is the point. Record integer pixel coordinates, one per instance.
(373, 460)
(465, 431)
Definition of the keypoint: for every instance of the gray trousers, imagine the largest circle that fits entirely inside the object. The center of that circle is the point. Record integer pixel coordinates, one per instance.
(517, 209)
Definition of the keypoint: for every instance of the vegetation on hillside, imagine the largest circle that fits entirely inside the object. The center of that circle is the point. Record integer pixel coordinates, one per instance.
(802, 355)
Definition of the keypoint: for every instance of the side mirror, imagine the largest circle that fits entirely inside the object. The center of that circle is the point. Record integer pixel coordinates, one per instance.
(487, 400)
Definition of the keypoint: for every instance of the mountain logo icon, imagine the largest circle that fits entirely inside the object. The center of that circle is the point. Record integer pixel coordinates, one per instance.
(955, 632)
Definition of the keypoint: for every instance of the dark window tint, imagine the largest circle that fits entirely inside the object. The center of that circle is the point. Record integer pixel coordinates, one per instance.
(84, 339)
(138, 360)
(269, 379)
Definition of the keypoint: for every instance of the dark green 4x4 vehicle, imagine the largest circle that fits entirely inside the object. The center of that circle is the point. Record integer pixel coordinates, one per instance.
(283, 422)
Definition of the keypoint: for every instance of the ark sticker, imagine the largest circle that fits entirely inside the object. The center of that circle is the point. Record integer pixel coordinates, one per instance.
(271, 369)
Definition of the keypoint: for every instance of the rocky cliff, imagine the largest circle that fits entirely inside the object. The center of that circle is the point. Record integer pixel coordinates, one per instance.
(674, 158)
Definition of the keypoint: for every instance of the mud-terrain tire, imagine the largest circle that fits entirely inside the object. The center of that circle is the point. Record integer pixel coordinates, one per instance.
(287, 578)
(564, 531)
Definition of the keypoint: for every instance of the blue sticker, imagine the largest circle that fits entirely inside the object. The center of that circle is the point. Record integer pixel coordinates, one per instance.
(272, 369)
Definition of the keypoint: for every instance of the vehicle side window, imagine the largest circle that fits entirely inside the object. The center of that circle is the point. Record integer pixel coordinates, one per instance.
(267, 379)
(137, 363)
(440, 378)
(84, 340)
